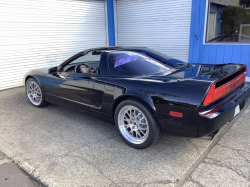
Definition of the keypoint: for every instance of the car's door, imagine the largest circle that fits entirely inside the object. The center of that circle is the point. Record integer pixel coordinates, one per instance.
(73, 90)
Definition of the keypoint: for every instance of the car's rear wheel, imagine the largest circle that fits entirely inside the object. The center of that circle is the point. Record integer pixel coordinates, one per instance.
(34, 93)
(136, 124)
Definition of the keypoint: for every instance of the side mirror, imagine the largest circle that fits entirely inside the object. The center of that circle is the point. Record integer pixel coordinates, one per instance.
(52, 70)
(59, 68)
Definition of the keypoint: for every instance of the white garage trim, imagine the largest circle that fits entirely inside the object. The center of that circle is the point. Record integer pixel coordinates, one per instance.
(40, 33)
(163, 25)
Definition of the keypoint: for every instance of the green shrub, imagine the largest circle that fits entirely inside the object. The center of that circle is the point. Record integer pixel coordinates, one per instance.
(232, 18)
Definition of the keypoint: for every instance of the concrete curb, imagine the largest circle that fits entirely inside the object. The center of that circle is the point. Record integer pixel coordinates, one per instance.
(5, 160)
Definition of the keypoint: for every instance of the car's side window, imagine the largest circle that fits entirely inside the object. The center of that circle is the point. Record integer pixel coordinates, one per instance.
(87, 58)
(92, 60)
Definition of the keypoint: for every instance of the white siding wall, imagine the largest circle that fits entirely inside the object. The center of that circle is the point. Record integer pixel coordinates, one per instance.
(40, 33)
(163, 25)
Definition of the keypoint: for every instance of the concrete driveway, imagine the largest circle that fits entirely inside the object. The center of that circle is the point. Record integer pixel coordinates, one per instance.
(62, 147)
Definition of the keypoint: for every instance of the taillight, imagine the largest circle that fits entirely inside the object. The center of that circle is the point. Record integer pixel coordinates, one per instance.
(216, 93)
(215, 112)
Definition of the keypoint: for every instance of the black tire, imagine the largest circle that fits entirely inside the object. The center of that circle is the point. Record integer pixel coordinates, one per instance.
(154, 129)
(41, 102)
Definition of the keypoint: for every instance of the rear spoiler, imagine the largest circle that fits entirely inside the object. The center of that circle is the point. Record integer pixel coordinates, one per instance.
(224, 86)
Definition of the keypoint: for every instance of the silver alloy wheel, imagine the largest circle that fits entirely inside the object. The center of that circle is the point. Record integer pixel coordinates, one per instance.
(34, 93)
(133, 124)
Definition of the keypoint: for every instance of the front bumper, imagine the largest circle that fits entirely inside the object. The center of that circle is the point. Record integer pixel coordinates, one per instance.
(205, 126)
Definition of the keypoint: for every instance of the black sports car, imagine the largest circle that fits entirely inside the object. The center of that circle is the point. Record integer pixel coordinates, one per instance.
(143, 92)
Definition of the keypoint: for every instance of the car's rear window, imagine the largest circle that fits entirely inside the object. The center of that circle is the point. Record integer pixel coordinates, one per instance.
(127, 64)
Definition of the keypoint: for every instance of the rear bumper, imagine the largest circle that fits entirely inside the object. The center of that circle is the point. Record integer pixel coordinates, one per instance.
(208, 126)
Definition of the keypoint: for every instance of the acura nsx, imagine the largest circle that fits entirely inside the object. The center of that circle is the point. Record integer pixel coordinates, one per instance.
(143, 92)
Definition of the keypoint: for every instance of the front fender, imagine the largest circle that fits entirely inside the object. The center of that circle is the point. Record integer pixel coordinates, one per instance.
(37, 74)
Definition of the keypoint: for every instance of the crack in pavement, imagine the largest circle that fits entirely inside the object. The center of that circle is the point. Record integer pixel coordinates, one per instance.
(139, 184)
(194, 181)
(220, 164)
(232, 148)
(193, 144)
(240, 154)
(237, 151)
(243, 157)
(91, 164)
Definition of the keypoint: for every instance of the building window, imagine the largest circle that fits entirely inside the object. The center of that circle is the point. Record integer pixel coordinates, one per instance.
(228, 21)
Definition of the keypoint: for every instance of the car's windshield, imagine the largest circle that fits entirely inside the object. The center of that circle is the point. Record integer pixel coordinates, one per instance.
(127, 64)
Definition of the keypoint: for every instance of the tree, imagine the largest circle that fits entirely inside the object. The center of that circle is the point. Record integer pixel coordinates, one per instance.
(247, 21)
(232, 18)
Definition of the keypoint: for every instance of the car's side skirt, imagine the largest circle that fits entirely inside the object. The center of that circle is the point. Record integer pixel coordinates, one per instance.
(92, 106)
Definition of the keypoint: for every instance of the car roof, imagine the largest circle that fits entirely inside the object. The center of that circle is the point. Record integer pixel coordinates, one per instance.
(109, 48)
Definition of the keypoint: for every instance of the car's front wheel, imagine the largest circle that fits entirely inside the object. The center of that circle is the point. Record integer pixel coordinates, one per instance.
(136, 124)
(34, 93)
